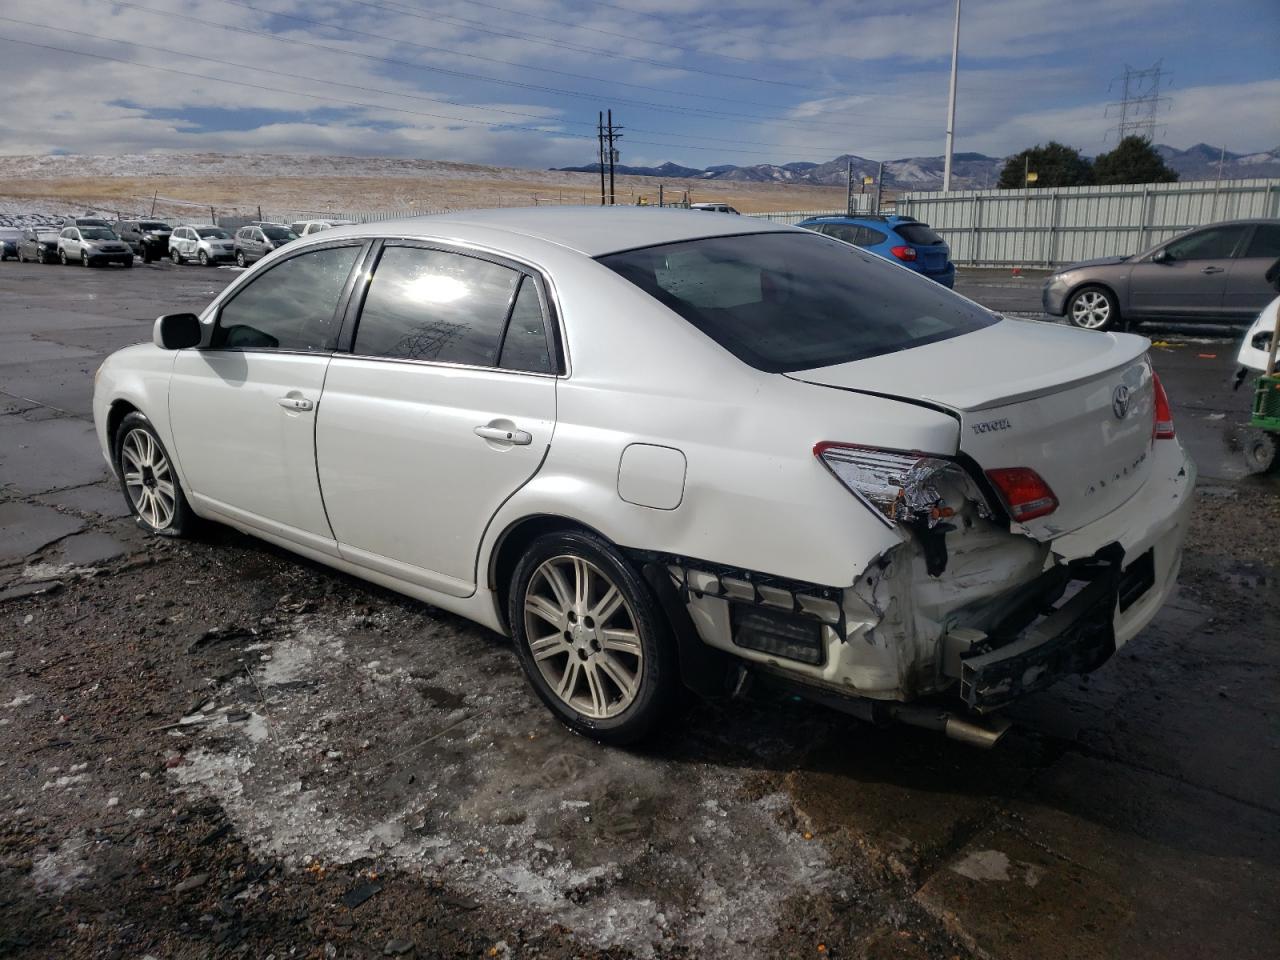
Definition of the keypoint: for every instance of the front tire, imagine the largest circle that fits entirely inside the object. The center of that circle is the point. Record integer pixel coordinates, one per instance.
(1262, 452)
(1093, 308)
(147, 478)
(591, 638)
(204, 259)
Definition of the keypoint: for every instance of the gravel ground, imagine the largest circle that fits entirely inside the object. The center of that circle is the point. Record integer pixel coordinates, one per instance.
(214, 748)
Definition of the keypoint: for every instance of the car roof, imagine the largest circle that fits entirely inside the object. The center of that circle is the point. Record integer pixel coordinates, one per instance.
(593, 231)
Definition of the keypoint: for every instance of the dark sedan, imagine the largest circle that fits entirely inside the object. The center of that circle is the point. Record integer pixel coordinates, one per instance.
(1209, 274)
(39, 244)
(9, 237)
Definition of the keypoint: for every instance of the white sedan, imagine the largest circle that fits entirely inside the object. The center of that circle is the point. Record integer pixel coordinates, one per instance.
(658, 448)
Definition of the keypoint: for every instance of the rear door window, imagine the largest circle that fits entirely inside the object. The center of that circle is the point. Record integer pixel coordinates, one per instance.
(292, 306)
(526, 345)
(425, 304)
(790, 301)
(1265, 242)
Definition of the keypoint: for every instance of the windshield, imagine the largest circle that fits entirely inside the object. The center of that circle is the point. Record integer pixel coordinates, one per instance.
(793, 301)
(213, 233)
(153, 225)
(279, 234)
(97, 233)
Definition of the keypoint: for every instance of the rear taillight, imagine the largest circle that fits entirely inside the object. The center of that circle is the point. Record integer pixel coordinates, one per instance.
(1162, 429)
(902, 487)
(903, 252)
(1025, 494)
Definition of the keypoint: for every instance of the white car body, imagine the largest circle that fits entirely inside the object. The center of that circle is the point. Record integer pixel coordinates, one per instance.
(691, 461)
(186, 243)
(304, 228)
(1255, 347)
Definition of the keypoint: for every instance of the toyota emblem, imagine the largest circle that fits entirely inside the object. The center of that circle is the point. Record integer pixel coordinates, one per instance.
(1120, 402)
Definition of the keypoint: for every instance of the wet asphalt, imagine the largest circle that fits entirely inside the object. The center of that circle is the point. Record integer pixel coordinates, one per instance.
(1131, 813)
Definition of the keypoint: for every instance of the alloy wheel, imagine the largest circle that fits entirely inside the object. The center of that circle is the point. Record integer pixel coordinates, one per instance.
(582, 635)
(1091, 310)
(148, 478)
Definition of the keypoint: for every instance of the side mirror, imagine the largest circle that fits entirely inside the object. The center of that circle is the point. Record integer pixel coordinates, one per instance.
(177, 331)
(1162, 256)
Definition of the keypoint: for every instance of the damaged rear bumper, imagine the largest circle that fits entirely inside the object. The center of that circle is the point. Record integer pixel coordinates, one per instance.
(1008, 616)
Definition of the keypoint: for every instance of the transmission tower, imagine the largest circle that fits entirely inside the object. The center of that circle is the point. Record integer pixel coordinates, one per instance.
(1140, 100)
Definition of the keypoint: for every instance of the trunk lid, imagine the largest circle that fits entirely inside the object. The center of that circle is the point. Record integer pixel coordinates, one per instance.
(1033, 395)
(932, 257)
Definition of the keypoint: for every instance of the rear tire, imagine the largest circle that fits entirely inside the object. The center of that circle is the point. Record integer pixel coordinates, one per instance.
(147, 477)
(592, 639)
(176, 257)
(241, 262)
(1093, 308)
(62, 257)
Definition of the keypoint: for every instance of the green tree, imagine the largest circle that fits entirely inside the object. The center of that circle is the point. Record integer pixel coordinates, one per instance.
(1134, 160)
(1054, 164)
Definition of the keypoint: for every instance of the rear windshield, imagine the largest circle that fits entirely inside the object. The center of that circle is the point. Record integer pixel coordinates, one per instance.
(213, 233)
(279, 233)
(918, 233)
(153, 225)
(793, 301)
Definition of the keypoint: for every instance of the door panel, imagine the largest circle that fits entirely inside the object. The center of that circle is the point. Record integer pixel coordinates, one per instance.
(241, 450)
(409, 485)
(1193, 281)
(1247, 288)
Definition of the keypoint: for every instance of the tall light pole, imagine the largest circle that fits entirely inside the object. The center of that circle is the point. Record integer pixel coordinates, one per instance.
(951, 104)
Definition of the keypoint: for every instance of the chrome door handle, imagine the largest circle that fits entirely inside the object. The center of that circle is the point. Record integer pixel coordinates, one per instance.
(519, 438)
(1211, 270)
(296, 403)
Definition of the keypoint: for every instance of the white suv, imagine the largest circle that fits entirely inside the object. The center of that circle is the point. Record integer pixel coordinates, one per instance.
(203, 242)
(305, 228)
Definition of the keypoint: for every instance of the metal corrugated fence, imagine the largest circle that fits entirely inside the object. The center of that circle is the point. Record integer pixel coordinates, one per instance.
(1053, 226)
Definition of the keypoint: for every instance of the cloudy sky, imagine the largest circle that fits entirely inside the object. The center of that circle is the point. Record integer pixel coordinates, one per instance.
(697, 82)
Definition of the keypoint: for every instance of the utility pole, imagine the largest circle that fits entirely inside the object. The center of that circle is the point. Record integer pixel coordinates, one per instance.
(848, 189)
(612, 134)
(1139, 101)
(879, 185)
(951, 104)
(600, 152)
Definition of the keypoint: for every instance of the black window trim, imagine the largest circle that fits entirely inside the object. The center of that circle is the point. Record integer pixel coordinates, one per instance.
(339, 311)
(555, 333)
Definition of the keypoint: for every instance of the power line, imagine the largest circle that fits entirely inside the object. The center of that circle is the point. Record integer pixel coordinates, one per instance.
(498, 60)
(631, 37)
(410, 96)
(481, 27)
(663, 18)
(645, 104)
(540, 131)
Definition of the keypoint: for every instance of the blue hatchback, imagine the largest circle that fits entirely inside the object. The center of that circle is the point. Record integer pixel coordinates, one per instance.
(905, 241)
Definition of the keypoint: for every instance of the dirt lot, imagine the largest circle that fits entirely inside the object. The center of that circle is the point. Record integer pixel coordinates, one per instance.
(320, 184)
(213, 748)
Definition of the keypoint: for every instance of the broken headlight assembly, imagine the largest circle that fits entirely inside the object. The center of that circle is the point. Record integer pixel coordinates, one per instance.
(900, 487)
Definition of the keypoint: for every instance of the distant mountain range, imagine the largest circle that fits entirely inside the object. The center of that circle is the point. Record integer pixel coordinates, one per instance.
(969, 171)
